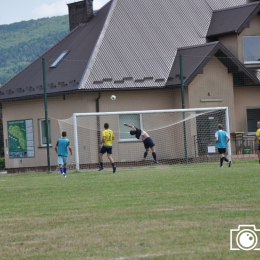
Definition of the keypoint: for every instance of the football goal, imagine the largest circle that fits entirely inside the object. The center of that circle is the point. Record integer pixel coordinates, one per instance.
(181, 136)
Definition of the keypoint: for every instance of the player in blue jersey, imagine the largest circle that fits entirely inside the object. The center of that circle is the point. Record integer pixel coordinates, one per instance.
(61, 148)
(222, 139)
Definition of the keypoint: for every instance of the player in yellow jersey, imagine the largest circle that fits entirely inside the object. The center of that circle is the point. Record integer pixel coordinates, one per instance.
(106, 145)
(257, 139)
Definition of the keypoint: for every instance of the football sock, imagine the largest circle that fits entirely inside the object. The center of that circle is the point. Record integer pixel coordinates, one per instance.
(225, 159)
(61, 170)
(101, 165)
(221, 162)
(64, 170)
(145, 154)
(113, 165)
(154, 155)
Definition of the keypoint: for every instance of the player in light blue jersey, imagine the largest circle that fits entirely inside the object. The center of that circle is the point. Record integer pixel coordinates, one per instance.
(61, 148)
(222, 139)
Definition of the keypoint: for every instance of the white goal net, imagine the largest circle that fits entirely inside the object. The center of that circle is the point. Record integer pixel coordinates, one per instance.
(181, 136)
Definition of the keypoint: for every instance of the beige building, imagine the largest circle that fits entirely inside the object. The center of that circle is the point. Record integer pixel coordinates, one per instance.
(133, 52)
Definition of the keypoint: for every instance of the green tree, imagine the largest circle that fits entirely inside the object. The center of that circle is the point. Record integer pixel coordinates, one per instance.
(23, 42)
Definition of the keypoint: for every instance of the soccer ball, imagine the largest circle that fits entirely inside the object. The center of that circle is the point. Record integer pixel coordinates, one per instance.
(113, 97)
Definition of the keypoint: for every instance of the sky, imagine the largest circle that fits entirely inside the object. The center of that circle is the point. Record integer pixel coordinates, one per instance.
(25, 10)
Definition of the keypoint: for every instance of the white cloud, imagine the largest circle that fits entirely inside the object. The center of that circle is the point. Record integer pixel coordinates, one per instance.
(49, 10)
(97, 4)
(35, 9)
(60, 8)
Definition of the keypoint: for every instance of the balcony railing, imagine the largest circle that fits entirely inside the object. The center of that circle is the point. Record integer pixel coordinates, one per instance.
(243, 144)
(240, 144)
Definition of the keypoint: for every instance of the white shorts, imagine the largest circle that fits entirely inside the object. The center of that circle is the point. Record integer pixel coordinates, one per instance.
(62, 159)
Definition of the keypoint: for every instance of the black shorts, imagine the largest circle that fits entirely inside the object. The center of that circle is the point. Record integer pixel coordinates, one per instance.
(106, 149)
(221, 150)
(148, 143)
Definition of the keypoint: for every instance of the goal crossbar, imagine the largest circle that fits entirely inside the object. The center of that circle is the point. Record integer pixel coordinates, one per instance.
(149, 111)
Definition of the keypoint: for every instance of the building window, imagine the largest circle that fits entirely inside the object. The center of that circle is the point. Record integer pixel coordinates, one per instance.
(251, 49)
(133, 119)
(43, 137)
(253, 116)
(59, 59)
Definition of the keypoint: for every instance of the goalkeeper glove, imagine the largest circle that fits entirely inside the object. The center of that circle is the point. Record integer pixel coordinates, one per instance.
(125, 124)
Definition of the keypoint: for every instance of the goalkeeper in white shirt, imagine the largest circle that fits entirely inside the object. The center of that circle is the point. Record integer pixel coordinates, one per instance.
(147, 140)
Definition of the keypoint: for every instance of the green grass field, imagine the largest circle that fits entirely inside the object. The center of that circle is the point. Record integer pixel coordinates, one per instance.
(156, 212)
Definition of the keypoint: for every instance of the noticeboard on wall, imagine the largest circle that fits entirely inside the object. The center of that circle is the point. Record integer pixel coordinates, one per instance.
(20, 138)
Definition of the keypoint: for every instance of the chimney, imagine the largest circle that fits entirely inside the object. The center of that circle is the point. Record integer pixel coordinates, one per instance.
(80, 12)
(89, 5)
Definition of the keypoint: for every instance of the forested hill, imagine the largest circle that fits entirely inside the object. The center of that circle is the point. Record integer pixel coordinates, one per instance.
(23, 42)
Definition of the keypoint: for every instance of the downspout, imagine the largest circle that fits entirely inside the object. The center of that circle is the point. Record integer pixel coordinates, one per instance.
(2, 142)
(98, 119)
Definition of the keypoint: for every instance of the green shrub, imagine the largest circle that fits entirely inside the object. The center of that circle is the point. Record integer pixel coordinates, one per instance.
(2, 163)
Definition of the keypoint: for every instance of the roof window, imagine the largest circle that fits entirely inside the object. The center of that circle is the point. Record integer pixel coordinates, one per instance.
(59, 59)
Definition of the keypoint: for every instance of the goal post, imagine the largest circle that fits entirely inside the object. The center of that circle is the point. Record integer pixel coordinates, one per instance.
(228, 132)
(183, 136)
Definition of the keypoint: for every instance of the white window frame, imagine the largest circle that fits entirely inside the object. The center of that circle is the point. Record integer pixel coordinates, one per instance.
(41, 133)
(256, 120)
(245, 54)
(124, 128)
